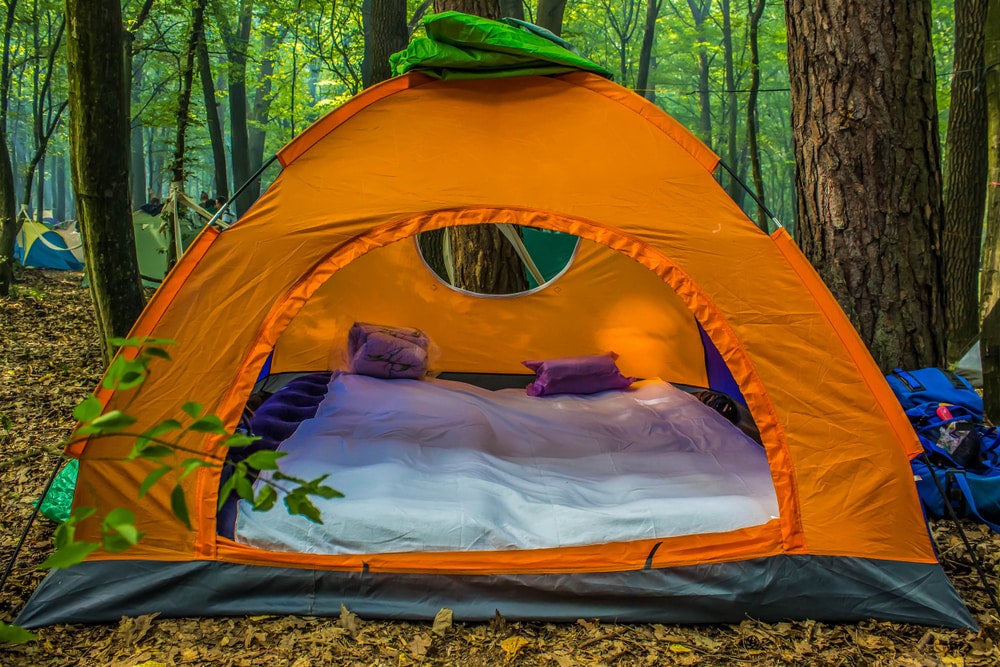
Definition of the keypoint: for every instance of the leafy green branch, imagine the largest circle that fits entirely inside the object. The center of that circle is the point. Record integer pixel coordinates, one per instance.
(161, 445)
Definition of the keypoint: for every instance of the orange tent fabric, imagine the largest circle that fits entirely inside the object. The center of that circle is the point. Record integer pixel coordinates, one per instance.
(663, 251)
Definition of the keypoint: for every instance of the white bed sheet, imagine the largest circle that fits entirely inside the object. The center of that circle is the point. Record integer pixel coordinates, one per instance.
(446, 466)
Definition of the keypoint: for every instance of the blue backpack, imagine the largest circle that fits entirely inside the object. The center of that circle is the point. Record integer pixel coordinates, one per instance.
(961, 462)
(934, 385)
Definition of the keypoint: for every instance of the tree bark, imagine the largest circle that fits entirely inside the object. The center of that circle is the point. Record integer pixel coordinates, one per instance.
(99, 133)
(867, 174)
(990, 355)
(137, 146)
(138, 163)
(646, 52)
(59, 182)
(965, 196)
(990, 278)
(550, 15)
(700, 10)
(8, 203)
(484, 261)
(489, 9)
(177, 171)
(214, 125)
(42, 130)
(756, 11)
(385, 33)
(730, 108)
(236, 51)
(260, 110)
(512, 8)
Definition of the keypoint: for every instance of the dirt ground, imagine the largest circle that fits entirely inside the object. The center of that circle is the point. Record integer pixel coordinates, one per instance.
(50, 360)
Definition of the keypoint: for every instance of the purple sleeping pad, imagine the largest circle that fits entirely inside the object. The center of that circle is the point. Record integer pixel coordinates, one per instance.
(275, 420)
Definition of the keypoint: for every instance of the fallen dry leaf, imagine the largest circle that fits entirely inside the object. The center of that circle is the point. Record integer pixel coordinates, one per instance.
(442, 621)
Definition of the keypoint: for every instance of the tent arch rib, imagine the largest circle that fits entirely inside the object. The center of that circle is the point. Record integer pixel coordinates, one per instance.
(701, 306)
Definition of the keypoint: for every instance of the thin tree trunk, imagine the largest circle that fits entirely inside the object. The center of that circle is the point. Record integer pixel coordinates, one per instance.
(138, 163)
(646, 52)
(236, 51)
(183, 109)
(700, 10)
(990, 356)
(756, 11)
(59, 185)
(385, 33)
(489, 9)
(38, 156)
(99, 132)
(212, 113)
(8, 199)
(867, 174)
(256, 132)
(990, 277)
(512, 8)
(138, 188)
(730, 115)
(965, 196)
(550, 15)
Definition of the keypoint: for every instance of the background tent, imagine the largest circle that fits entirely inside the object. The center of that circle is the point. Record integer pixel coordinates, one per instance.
(152, 237)
(41, 246)
(668, 272)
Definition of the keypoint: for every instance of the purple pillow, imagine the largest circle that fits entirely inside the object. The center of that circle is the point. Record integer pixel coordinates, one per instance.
(576, 375)
(387, 352)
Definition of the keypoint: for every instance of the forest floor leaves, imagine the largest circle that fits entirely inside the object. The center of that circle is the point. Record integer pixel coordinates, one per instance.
(50, 359)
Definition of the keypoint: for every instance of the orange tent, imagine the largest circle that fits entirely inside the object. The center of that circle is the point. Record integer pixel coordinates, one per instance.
(669, 273)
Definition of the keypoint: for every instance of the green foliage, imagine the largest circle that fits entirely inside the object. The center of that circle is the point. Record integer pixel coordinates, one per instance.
(160, 444)
(12, 634)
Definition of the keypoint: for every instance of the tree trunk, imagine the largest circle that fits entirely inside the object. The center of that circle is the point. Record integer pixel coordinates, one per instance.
(99, 133)
(700, 10)
(550, 15)
(756, 11)
(177, 178)
(489, 9)
(484, 261)
(212, 113)
(990, 278)
(59, 186)
(8, 219)
(730, 114)
(990, 355)
(260, 110)
(512, 8)
(137, 159)
(8, 199)
(965, 196)
(236, 51)
(646, 52)
(867, 174)
(137, 145)
(385, 34)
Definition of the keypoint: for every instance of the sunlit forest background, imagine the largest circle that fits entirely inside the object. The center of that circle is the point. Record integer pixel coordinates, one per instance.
(295, 60)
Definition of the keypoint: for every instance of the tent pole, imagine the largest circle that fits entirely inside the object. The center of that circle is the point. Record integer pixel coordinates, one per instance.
(753, 195)
(976, 562)
(30, 523)
(217, 218)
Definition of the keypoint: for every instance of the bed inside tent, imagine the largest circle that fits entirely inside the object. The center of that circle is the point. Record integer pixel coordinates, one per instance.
(466, 459)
